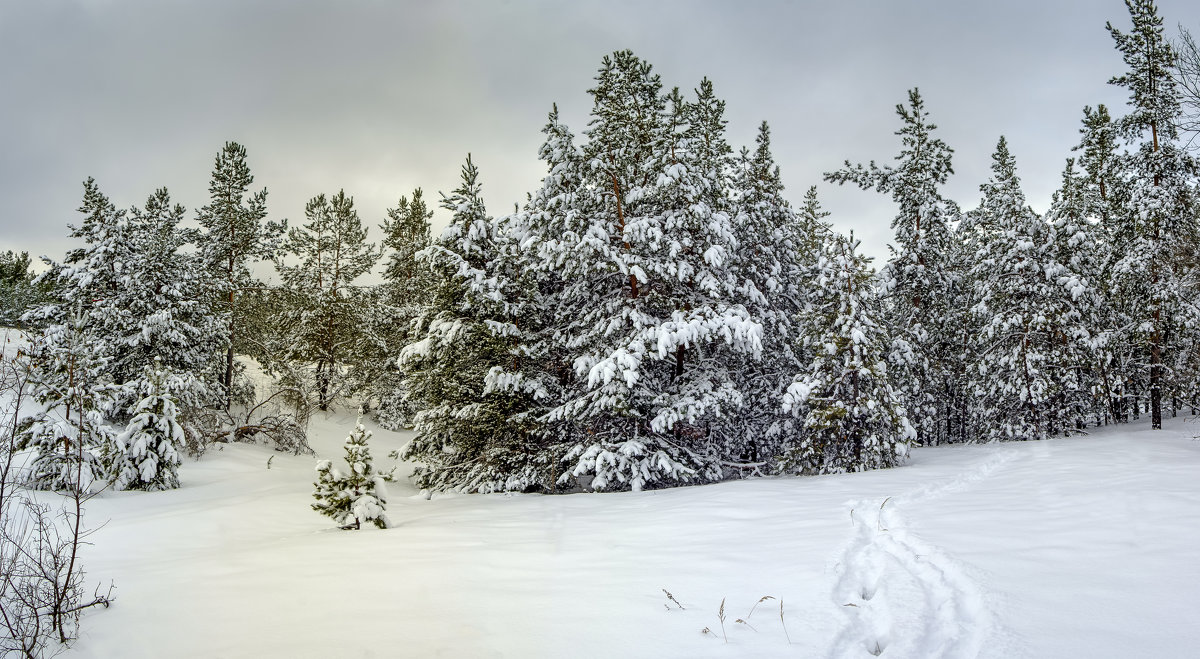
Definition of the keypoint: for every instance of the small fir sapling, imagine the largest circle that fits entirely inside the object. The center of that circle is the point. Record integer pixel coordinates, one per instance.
(355, 497)
(148, 451)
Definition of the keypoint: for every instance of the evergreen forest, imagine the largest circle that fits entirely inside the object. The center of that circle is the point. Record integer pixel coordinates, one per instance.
(659, 311)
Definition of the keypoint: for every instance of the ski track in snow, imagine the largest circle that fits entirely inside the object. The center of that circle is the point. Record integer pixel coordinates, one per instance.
(902, 596)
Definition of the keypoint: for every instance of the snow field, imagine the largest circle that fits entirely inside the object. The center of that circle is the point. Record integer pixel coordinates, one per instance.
(1068, 547)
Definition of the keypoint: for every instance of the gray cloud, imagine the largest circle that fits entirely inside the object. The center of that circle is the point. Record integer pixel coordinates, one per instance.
(381, 97)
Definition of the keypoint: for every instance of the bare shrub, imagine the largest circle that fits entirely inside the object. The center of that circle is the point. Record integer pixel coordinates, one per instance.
(41, 576)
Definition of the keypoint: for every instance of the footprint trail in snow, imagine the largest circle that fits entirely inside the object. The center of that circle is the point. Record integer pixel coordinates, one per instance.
(902, 596)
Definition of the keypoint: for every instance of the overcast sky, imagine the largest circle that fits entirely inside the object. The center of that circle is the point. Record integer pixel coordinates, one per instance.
(381, 97)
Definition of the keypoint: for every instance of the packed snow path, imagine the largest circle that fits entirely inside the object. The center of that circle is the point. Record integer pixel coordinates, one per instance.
(902, 595)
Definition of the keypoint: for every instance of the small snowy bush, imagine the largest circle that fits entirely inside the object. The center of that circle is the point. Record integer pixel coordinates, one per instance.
(355, 497)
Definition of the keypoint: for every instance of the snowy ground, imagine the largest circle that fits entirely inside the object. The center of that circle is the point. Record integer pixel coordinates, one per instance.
(1081, 547)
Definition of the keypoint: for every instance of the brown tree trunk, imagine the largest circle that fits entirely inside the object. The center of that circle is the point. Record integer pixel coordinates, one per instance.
(1156, 369)
(633, 283)
(227, 379)
(1156, 374)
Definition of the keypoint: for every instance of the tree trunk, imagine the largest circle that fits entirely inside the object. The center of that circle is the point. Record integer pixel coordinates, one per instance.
(1156, 373)
(1156, 369)
(227, 379)
(633, 282)
(322, 386)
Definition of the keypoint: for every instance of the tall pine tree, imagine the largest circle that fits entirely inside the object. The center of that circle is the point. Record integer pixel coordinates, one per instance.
(1031, 339)
(648, 326)
(1159, 226)
(471, 435)
(775, 262)
(917, 280)
(235, 236)
(326, 321)
(396, 304)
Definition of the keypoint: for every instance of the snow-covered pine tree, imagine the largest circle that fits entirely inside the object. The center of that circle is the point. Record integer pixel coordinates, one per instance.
(852, 419)
(962, 327)
(326, 319)
(647, 320)
(140, 292)
(704, 132)
(691, 281)
(358, 496)
(917, 280)
(235, 236)
(147, 453)
(775, 261)
(91, 280)
(585, 244)
(1030, 341)
(1103, 191)
(559, 246)
(1159, 220)
(1080, 245)
(532, 254)
(1101, 163)
(91, 287)
(70, 440)
(471, 436)
(18, 292)
(397, 303)
(162, 310)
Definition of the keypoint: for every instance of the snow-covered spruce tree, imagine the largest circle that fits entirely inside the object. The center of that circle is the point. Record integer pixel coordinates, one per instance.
(852, 420)
(326, 318)
(645, 314)
(147, 453)
(1031, 339)
(358, 496)
(775, 261)
(471, 436)
(396, 303)
(70, 440)
(917, 280)
(1159, 226)
(235, 235)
